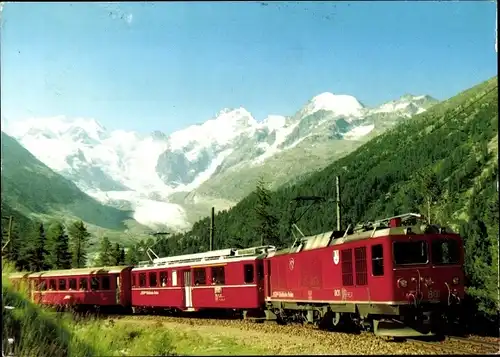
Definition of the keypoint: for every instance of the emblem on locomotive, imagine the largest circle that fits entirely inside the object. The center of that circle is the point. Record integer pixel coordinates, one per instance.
(336, 257)
(291, 263)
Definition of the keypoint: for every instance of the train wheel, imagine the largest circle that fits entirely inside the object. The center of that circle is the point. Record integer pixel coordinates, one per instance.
(336, 319)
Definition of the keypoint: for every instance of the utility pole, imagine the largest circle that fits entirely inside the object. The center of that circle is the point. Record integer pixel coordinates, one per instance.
(212, 229)
(337, 186)
(9, 234)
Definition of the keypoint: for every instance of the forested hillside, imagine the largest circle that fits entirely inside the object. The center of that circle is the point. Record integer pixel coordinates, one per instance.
(446, 157)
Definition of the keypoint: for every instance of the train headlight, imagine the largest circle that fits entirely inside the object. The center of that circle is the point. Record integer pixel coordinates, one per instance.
(456, 280)
(402, 283)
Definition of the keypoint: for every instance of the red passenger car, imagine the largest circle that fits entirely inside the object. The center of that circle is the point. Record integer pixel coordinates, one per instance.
(104, 287)
(385, 273)
(224, 279)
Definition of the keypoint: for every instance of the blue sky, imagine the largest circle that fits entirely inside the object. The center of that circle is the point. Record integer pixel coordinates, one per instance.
(163, 66)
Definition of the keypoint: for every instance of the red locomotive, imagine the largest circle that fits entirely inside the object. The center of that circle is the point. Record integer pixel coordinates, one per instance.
(390, 277)
(397, 277)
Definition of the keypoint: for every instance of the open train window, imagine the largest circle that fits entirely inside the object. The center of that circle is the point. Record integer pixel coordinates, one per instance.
(163, 278)
(445, 251)
(94, 283)
(410, 252)
(153, 279)
(142, 280)
(134, 280)
(84, 284)
(42, 285)
(249, 273)
(72, 284)
(378, 260)
(105, 283)
(62, 284)
(200, 276)
(52, 284)
(218, 276)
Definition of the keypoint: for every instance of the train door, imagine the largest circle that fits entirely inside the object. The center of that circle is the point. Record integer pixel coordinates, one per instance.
(187, 289)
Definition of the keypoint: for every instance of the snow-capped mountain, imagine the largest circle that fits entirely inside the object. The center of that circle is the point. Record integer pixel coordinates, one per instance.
(144, 172)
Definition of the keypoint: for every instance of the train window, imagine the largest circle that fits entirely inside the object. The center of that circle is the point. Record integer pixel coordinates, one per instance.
(84, 284)
(445, 251)
(72, 284)
(153, 279)
(378, 260)
(43, 285)
(407, 253)
(200, 276)
(218, 276)
(134, 283)
(142, 280)
(62, 284)
(249, 278)
(94, 283)
(52, 284)
(105, 283)
(163, 278)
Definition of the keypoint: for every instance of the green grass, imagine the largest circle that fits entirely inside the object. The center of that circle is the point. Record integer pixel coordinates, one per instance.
(42, 332)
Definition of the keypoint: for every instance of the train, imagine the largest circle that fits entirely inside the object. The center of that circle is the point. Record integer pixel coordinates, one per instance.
(398, 276)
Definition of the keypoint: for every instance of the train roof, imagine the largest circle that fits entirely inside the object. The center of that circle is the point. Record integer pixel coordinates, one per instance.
(210, 257)
(19, 275)
(80, 271)
(409, 223)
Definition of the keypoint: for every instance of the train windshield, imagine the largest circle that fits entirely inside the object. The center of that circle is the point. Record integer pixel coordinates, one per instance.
(414, 252)
(445, 251)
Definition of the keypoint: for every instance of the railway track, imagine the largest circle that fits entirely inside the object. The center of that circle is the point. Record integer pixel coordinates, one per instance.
(476, 341)
(460, 345)
(450, 345)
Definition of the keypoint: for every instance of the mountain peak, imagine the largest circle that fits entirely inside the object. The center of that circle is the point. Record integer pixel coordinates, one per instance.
(232, 113)
(340, 104)
(58, 125)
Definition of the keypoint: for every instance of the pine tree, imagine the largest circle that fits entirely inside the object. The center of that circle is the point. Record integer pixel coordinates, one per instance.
(132, 255)
(105, 252)
(267, 227)
(58, 256)
(35, 251)
(117, 255)
(79, 240)
(428, 183)
(12, 249)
